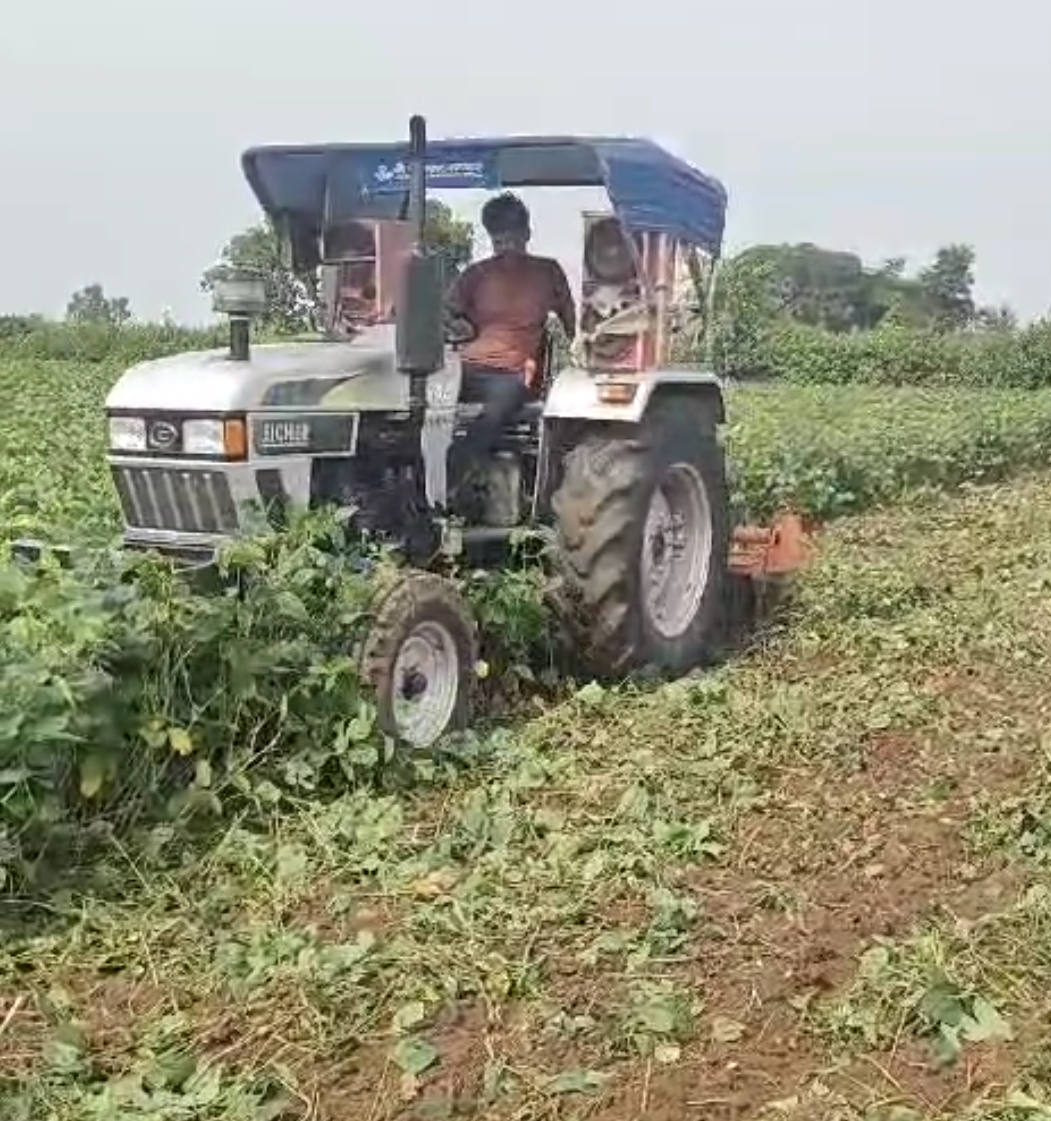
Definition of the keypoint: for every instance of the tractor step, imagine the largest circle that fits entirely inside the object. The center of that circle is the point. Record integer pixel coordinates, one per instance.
(768, 551)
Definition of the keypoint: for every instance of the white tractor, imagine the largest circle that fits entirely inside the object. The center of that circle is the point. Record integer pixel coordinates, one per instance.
(618, 458)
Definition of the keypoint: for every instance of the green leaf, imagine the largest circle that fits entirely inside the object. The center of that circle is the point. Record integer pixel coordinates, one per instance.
(170, 1069)
(92, 775)
(657, 1017)
(947, 1044)
(203, 773)
(942, 1004)
(985, 1023)
(591, 694)
(409, 1016)
(667, 1053)
(577, 1082)
(414, 1055)
(180, 741)
(291, 863)
(204, 1086)
(360, 727)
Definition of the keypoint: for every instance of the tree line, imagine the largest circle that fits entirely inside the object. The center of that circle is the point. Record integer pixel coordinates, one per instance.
(803, 283)
(837, 291)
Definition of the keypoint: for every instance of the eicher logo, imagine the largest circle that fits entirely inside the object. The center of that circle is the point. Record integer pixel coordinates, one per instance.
(286, 434)
(163, 434)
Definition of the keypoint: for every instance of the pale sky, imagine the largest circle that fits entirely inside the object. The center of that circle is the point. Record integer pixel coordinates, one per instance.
(886, 128)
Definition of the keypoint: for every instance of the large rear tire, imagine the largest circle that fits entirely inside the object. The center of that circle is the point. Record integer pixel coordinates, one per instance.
(419, 656)
(643, 535)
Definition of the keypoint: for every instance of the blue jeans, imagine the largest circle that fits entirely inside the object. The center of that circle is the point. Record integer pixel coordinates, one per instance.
(502, 393)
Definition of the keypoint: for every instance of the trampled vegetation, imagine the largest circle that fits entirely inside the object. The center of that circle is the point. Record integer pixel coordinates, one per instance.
(812, 881)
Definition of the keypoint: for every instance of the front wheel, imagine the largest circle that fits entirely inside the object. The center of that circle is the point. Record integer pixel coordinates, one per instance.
(643, 538)
(419, 657)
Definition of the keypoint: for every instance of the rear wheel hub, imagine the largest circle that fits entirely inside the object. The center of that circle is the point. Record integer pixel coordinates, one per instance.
(676, 554)
(427, 680)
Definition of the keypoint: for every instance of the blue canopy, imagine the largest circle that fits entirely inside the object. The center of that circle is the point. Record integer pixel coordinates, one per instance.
(311, 186)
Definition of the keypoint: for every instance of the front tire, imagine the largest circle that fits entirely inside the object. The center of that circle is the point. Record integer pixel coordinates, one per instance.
(643, 539)
(419, 657)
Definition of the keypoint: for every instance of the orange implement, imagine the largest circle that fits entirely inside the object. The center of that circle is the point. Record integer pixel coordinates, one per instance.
(776, 550)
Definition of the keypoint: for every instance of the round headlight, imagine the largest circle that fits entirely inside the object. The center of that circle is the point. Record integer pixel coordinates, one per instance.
(127, 433)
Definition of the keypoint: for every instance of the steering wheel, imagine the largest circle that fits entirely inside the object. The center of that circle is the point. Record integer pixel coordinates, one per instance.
(459, 331)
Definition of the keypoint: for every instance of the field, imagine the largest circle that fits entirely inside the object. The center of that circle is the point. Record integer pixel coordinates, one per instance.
(812, 884)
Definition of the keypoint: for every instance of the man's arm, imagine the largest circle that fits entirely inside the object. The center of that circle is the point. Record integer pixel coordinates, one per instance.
(562, 300)
(460, 299)
(460, 324)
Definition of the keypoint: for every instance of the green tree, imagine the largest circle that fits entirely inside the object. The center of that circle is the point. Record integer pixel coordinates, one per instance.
(452, 236)
(290, 298)
(828, 288)
(888, 297)
(817, 286)
(947, 285)
(746, 306)
(92, 305)
(836, 291)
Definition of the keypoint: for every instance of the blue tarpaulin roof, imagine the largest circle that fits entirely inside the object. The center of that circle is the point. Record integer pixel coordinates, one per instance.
(648, 187)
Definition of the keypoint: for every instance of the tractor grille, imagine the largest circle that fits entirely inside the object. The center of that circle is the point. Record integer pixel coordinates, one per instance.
(190, 501)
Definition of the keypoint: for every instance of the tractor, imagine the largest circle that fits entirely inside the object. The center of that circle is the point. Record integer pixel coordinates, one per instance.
(616, 461)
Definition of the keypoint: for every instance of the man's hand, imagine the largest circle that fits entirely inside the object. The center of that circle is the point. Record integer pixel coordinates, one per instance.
(562, 300)
(459, 330)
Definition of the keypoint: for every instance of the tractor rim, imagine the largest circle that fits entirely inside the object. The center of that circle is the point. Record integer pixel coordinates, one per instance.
(676, 550)
(426, 684)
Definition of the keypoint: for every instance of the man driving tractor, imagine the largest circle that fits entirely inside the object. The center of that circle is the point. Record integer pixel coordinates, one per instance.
(506, 300)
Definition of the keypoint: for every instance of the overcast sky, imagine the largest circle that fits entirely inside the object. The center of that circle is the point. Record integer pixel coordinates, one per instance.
(887, 128)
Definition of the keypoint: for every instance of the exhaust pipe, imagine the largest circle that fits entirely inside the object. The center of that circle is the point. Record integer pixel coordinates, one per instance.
(420, 325)
(240, 338)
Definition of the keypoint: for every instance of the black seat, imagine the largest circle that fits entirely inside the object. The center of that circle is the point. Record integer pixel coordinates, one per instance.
(530, 413)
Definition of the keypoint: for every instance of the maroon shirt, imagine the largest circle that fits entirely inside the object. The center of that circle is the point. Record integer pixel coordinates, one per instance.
(508, 299)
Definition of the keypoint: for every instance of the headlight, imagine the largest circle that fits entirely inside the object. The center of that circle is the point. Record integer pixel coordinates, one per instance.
(224, 439)
(127, 433)
(203, 437)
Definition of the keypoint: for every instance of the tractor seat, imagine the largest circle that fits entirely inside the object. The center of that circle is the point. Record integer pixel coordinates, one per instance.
(528, 414)
(470, 407)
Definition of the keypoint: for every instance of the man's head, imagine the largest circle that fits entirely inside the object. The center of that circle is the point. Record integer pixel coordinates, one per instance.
(506, 221)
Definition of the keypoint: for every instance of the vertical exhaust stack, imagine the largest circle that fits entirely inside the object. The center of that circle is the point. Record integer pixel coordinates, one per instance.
(420, 313)
(240, 338)
(240, 295)
(418, 181)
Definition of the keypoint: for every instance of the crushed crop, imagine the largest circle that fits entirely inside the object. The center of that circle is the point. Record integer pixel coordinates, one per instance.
(812, 884)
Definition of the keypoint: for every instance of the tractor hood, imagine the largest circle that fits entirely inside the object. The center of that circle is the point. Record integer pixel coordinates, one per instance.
(358, 374)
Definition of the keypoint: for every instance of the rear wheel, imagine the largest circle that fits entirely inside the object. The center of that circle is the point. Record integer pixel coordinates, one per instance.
(643, 528)
(419, 657)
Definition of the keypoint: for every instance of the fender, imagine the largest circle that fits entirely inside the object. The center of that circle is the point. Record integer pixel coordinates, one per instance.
(576, 394)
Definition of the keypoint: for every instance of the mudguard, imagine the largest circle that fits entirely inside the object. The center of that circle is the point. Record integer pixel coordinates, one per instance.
(576, 394)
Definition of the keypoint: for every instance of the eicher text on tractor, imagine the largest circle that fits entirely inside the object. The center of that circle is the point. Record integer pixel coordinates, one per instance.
(443, 419)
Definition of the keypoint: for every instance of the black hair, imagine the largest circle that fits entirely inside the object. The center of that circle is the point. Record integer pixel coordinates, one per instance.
(504, 214)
